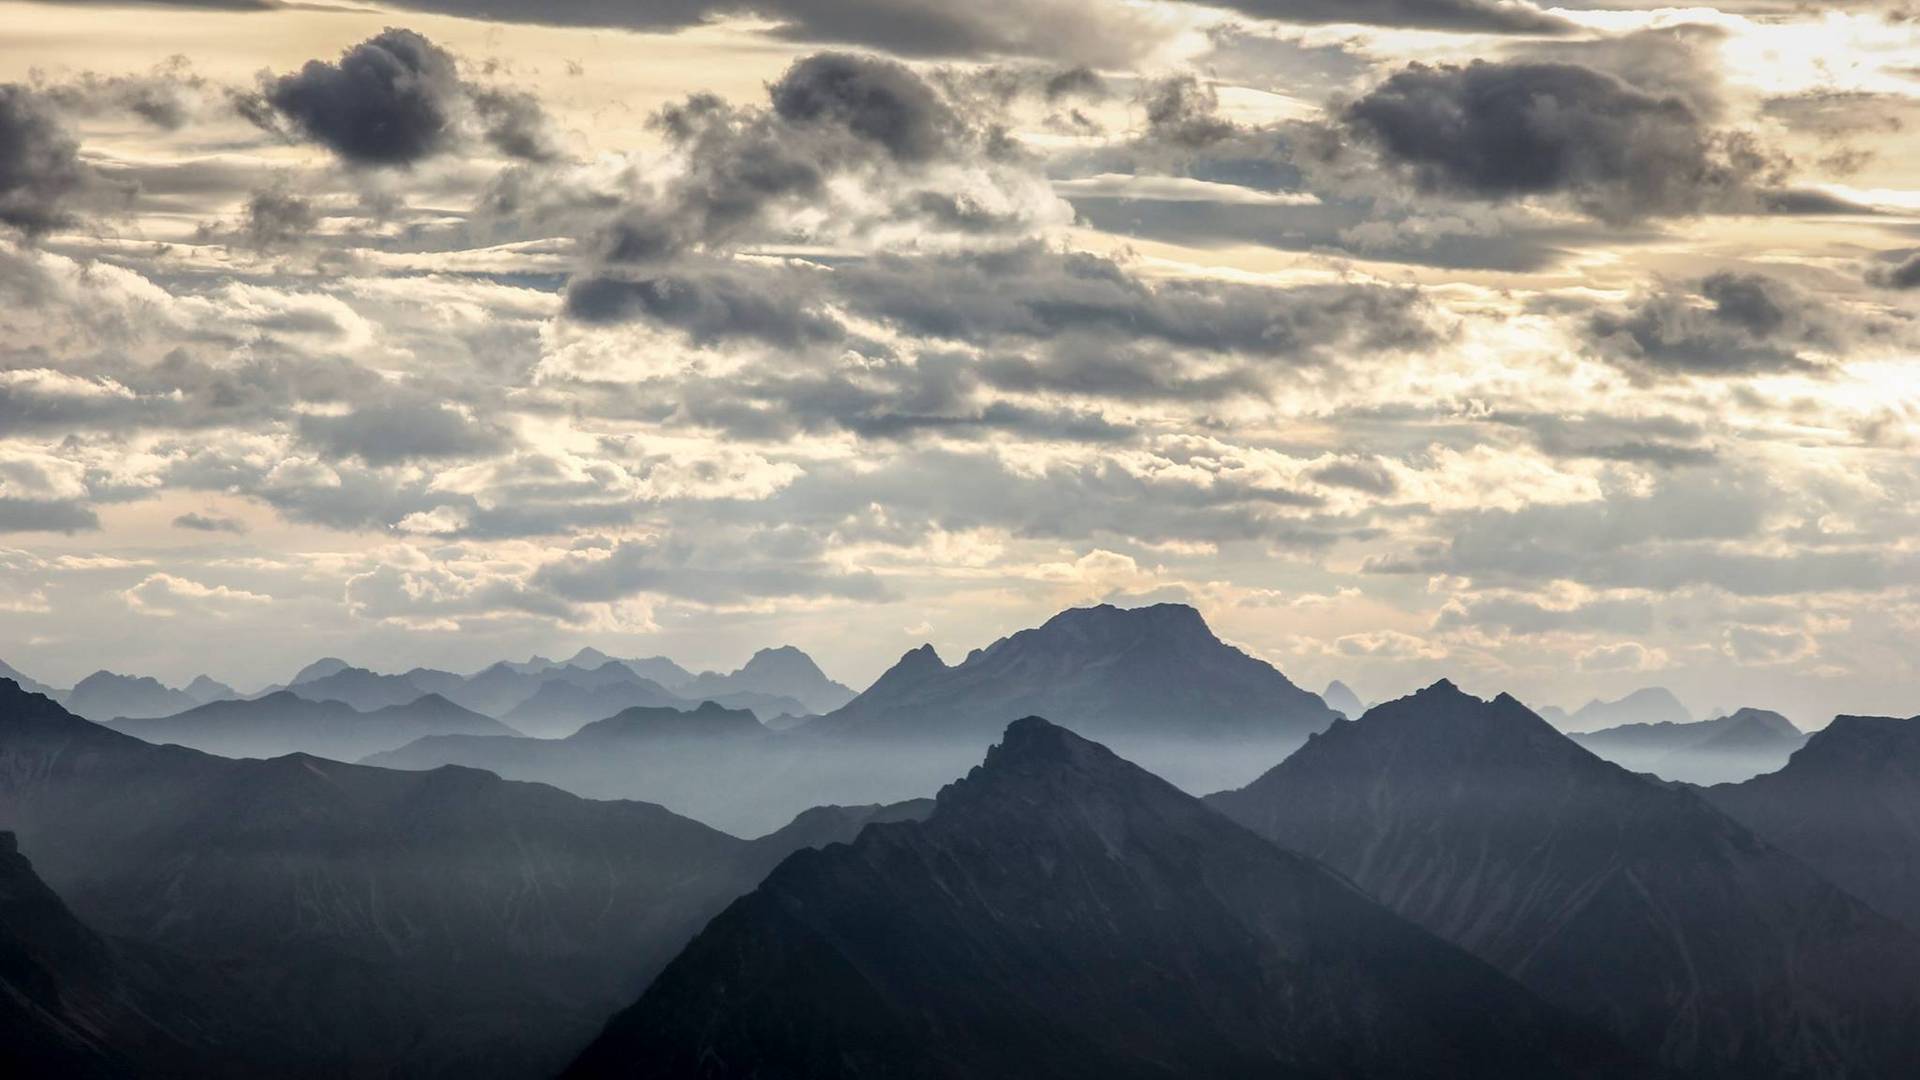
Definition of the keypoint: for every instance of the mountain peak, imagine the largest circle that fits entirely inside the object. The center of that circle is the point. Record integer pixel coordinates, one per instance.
(319, 669)
(784, 660)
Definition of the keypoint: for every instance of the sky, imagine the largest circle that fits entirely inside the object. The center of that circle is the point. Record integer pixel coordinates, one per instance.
(1559, 351)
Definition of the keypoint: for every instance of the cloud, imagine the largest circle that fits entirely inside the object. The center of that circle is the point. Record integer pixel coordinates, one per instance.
(167, 595)
(1757, 646)
(1903, 274)
(396, 99)
(1624, 656)
(1467, 16)
(209, 523)
(1495, 130)
(1731, 324)
(40, 170)
(397, 430)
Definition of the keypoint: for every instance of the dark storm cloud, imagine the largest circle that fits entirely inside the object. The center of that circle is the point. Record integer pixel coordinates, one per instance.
(396, 99)
(1730, 324)
(1507, 130)
(877, 100)
(387, 432)
(388, 100)
(1466, 16)
(209, 523)
(40, 170)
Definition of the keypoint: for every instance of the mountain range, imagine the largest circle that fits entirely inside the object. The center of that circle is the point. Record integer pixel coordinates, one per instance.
(1154, 681)
(1063, 913)
(1727, 748)
(440, 922)
(1651, 705)
(285, 723)
(1630, 902)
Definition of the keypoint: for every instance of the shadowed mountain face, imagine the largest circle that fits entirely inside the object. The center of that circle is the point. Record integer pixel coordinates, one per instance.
(1727, 748)
(1065, 914)
(1849, 804)
(366, 691)
(1623, 899)
(443, 922)
(1652, 705)
(104, 696)
(205, 689)
(284, 723)
(75, 1004)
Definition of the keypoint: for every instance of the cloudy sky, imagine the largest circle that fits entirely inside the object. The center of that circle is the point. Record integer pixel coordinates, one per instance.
(1559, 350)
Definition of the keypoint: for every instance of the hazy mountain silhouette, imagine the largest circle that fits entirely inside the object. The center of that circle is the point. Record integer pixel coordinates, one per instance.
(1199, 712)
(366, 690)
(1651, 705)
(559, 707)
(1154, 682)
(285, 723)
(1341, 699)
(658, 668)
(1063, 913)
(1626, 900)
(1848, 803)
(8, 671)
(205, 689)
(104, 695)
(319, 669)
(781, 672)
(444, 922)
(1726, 748)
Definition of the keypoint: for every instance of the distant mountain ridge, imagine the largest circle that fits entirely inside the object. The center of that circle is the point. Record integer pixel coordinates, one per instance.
(105, 695)
(1112, 672)
(1063, 913)
(286, 723)
(1619, 897)
(1649, 705)
(1726, 748)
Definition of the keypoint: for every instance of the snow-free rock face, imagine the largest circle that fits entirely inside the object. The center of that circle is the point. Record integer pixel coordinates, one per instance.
(1848, 803)
(1111, 672)
(1624, 899)
(1063, 913)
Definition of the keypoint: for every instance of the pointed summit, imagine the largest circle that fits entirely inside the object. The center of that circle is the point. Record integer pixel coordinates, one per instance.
(1065, 913)
(1609, 893)
(1341, 699)
(779, 672)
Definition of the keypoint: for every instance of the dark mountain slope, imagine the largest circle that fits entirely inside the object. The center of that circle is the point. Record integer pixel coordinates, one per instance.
(1621, 898)
(1065, 914)
(1849, 804)
(284, 723)
(442, 922)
